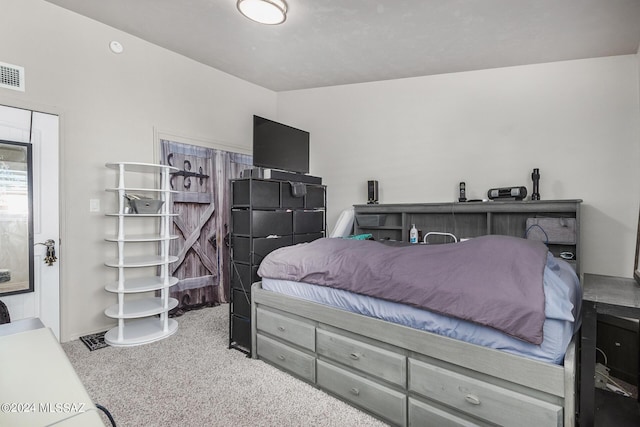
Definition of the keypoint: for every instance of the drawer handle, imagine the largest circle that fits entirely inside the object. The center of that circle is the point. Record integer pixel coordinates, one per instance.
(281, 328)
(354, 356)
(281, 357)
(474, 400)
(355, 391)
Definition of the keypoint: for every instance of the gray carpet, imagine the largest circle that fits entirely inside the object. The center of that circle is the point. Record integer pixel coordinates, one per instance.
(193, 379)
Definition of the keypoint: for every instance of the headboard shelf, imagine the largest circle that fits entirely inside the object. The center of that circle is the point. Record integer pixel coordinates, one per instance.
(473, 219)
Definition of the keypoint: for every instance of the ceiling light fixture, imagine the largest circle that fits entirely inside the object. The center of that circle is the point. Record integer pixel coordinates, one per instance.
(270, 12)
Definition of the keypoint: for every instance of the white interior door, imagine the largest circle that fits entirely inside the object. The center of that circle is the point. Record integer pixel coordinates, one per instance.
(41, 131)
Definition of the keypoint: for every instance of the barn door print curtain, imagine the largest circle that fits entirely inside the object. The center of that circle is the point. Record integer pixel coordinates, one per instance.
(202, 224)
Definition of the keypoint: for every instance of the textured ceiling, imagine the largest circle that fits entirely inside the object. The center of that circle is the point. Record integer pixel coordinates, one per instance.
(333, 42)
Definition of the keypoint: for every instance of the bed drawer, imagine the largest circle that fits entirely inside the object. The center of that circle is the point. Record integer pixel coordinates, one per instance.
(376, 398)
(481, 399)
(294, 331)
(367, 358)
(295, 361)
(424, 415)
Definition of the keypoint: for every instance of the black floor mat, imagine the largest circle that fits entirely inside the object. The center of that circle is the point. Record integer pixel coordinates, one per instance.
(94, 341)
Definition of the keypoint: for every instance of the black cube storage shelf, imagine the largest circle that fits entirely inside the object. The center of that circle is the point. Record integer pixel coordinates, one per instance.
(265, 216)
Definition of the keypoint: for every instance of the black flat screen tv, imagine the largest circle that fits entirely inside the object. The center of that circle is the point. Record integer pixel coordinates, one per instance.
(278, 146)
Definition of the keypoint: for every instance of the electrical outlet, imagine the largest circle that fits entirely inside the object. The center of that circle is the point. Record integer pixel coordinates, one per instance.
(94, 205)
(602, 376)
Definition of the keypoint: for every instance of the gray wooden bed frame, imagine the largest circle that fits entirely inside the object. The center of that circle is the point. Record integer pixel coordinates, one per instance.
(405, 376)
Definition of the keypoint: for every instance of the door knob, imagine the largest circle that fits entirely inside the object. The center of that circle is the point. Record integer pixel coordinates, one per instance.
(50, 257)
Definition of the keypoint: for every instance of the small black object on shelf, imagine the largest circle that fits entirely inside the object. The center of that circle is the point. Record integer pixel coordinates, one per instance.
(372, 192)
(507, 193)
(535, 176)
(463, 192)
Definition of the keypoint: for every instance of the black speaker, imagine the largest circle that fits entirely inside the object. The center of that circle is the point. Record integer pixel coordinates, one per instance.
(510, 193)
(372, 190)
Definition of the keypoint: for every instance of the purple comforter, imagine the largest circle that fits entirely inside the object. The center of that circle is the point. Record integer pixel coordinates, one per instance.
(494, 281)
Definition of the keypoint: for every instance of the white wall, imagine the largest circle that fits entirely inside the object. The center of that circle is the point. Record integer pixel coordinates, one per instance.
(112, 108)
(577, 121)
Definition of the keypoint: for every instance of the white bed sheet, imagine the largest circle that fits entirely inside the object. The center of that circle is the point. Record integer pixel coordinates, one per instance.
(563, 295)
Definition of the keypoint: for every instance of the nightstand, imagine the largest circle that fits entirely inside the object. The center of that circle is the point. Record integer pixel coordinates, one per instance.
(616, 296)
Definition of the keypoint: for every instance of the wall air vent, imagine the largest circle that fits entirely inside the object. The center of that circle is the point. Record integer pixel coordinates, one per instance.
(11, 77)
